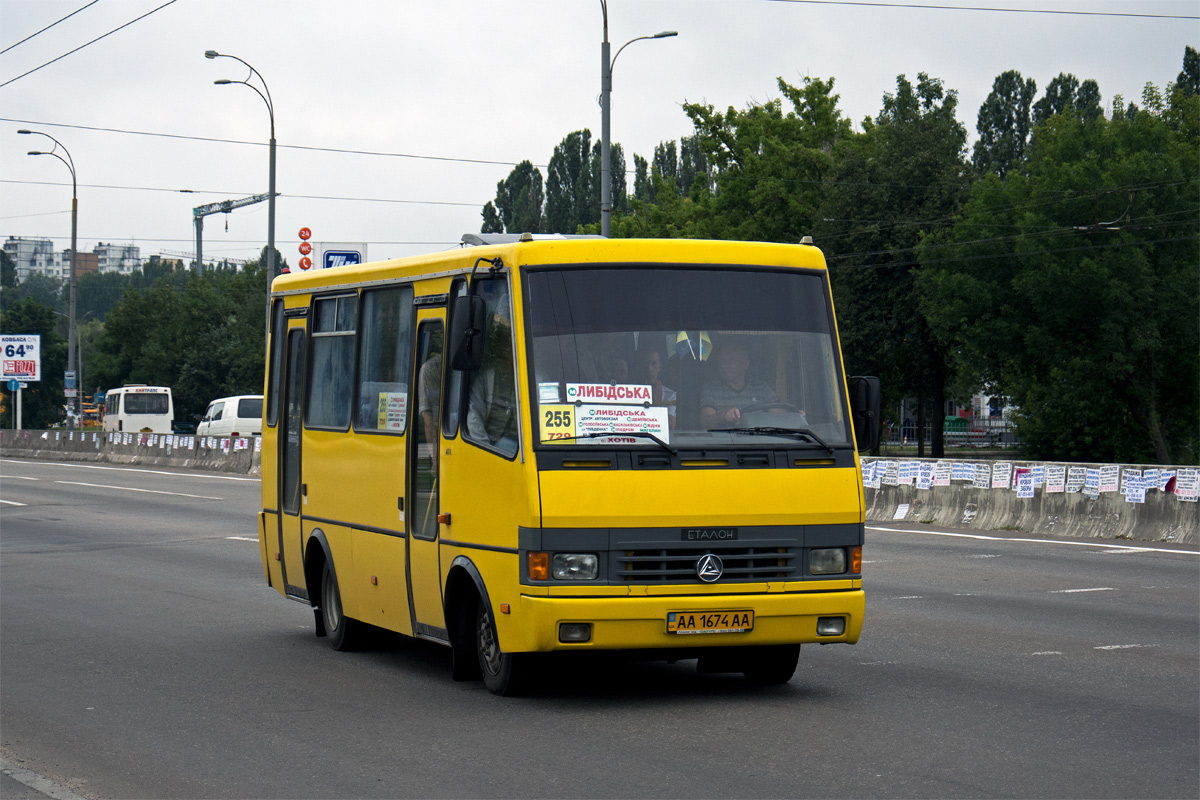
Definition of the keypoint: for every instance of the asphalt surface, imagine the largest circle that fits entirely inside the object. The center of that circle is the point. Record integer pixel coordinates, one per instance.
(142, 655)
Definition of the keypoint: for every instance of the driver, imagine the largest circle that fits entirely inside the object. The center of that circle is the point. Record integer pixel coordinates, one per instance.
(722, 401)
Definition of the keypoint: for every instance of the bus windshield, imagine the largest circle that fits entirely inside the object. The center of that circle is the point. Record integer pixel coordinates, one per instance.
(703, 357)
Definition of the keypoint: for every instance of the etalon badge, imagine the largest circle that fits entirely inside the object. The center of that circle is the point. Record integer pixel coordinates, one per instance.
(710, 568)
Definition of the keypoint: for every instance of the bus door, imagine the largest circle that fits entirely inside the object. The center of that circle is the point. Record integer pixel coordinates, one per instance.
(424, 567)
(291, 489)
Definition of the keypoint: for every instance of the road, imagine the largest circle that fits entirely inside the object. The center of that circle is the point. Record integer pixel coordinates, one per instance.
(142, 655)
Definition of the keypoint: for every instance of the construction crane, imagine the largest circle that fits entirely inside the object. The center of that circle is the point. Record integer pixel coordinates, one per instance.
(225, 206)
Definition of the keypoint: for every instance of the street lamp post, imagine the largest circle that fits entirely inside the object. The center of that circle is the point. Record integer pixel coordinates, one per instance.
(606, 68)
(72, 344)
(265, 94)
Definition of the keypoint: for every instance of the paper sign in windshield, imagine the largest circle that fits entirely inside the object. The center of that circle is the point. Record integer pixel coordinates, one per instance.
(622, 419)
(607, 393)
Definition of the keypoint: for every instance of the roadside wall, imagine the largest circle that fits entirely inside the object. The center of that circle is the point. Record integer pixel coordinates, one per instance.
(240, 455)
(1108, 501)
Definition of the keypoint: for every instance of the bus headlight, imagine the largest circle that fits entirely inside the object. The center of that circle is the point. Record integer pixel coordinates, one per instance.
(827, 561)
(575, 566)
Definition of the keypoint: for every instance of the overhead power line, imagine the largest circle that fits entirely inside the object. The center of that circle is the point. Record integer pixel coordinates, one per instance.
(48, 27)
(86, 44)
(925, 6)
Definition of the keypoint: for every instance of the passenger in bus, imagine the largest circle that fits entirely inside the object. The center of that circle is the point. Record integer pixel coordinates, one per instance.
(651, 373)
(429, 382)
(722, 399)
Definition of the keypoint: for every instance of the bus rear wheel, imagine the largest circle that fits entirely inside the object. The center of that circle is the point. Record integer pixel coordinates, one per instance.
(771, 666)
(503, 673)
(344, 633)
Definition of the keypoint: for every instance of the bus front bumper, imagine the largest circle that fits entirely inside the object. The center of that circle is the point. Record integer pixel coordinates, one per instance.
(640, 623)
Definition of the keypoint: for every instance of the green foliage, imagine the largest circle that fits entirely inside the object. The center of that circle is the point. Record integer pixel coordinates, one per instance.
(200, 334)
(8, 271)
(1074, 286)
(41, 403)
(570, 199)
(1004, 124)
(519, 199)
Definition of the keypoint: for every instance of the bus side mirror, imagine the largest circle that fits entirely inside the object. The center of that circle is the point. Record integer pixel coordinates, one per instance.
(466, 333)
(864, 410)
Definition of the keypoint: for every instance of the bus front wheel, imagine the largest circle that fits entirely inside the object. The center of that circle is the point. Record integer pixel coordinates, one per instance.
(771, 666)
(503, 673)
(343, 632)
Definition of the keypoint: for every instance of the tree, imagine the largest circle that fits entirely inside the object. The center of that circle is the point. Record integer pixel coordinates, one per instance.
(519, 199)
(1073, 286)
(572, 198)
(1189, 78)
(1004, 124)
(41, 403)
(1065, 93)
(8, 271)
(906, 173)
(491, 219)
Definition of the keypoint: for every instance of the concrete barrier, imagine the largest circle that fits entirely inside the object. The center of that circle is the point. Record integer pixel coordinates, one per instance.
(1145, 502)
(240, 455)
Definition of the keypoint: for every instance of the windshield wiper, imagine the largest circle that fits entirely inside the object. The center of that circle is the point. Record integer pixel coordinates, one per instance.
(635, 434)
(766, 430)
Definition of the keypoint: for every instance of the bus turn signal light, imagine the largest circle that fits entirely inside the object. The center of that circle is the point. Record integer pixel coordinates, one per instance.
(539, 566)
(856, 560)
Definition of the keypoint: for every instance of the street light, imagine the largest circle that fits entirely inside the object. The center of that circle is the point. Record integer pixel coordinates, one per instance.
(606, 67)
(72, 344)
(265, 94)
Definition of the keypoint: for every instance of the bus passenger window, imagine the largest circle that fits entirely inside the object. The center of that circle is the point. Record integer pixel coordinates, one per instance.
(330, 378)
(492, 390)
(383, 360)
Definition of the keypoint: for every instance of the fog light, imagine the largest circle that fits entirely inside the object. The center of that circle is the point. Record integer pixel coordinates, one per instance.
(575, 566)
(575, 632)
(827, 561)
(831, 626)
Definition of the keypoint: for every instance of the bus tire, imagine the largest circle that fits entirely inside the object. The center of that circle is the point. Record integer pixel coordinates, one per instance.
(503, 673)
(772, 665)
(344, 633)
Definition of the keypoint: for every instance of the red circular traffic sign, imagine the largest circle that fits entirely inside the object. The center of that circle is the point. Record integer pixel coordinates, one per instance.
(305, 248)
(305, 233)
(305, 263)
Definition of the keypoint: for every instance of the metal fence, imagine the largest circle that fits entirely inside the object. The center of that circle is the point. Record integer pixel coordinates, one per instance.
(958, 432)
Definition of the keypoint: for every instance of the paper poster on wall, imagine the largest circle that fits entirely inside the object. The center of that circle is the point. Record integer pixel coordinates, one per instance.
(1133, 487)
(1038, 471)
(891, 473)
(1056, 478)
(941, 473)
(1127, 475)
(925, 476)
(1025, 485)
(983, 476)
(1110, 478)
(962, 471)
(1187, 485)
(908, 472)
(1001, 475)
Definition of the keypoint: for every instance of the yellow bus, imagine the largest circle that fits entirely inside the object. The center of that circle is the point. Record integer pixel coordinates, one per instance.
(537, 444)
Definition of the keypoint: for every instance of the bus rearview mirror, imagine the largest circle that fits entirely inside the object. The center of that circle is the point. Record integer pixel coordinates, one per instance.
(466, 333)
(864, 410)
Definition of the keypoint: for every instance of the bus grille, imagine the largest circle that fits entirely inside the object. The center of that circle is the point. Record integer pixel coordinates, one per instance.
(671, 565)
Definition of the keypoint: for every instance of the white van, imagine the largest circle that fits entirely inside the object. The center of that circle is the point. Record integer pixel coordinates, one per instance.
(233, 416)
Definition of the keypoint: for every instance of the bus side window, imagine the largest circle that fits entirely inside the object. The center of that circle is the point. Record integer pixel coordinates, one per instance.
(492, 390)
(331, 374)
(275, 368)
(382, 403)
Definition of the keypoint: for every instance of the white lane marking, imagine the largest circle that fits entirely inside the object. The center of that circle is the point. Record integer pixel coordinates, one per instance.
(1122, 646)
(908, 597)
(131, 489)
(200, 475)
(986, 555)
(20, 478)
(1037, 541)
(1048, 653)
(37, 782)
(242, 538)
(11, 503)
(1077, 591)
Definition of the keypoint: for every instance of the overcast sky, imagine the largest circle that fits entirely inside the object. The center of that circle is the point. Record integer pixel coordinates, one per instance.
(447, 86)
